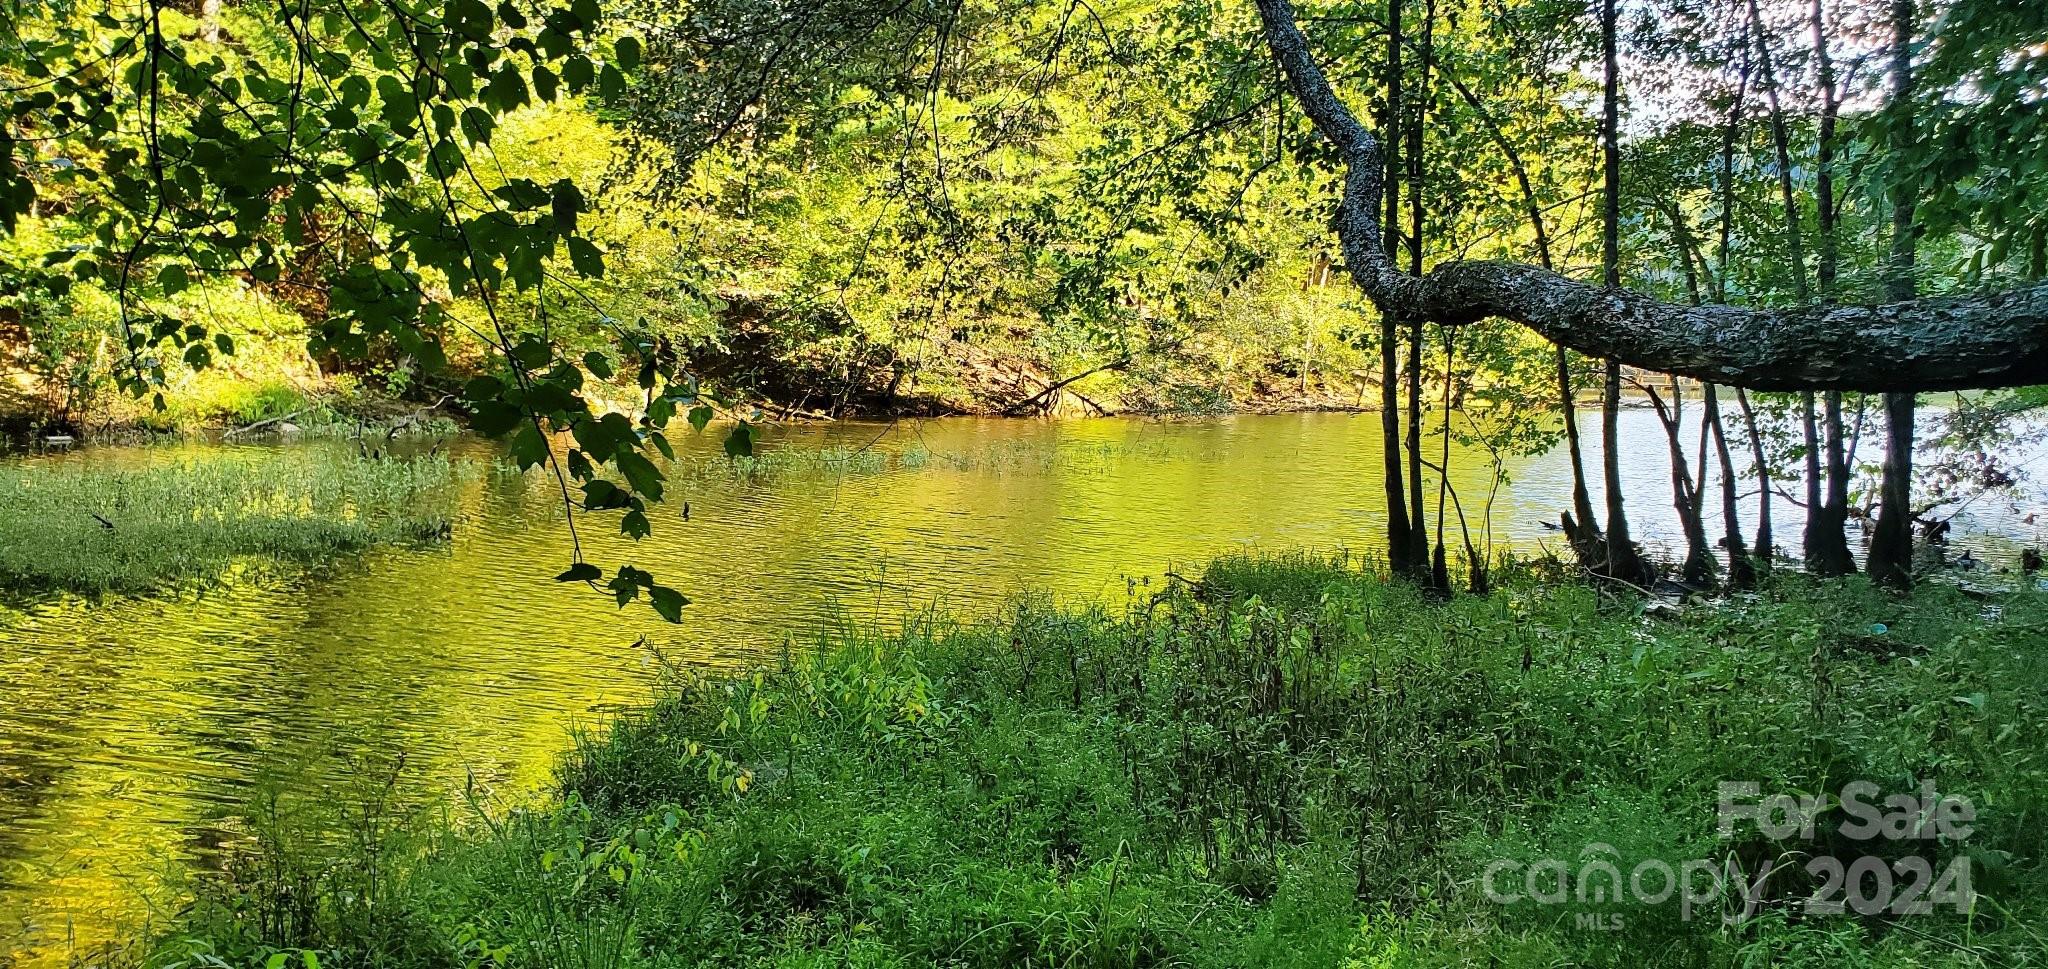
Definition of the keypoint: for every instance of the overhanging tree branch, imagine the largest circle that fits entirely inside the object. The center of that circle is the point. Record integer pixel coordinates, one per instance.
(1953, 343)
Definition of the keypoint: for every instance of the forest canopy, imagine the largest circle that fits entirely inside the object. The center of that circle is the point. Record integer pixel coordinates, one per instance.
(583, 222)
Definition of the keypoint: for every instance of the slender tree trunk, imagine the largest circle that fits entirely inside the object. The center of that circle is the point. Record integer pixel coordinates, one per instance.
(1699, 567)
(1418, 535)
(1809, 431)
(1813, 538)
(1585, 532)
(1828, 553)
(1741, 574)
(1764, 546)
(1781, 144)
(1439, 568)
(1583, 529)
(1827, 546)
(1891, 544)
(1834, 556)
(1622, 560)
(1399, 527)
(1418, 104)
(1766, 549)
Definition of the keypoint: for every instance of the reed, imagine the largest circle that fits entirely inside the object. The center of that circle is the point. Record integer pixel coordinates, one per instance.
(90, 529)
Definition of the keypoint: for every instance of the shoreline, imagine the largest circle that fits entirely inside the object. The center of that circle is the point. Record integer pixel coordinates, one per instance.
(1295, 762)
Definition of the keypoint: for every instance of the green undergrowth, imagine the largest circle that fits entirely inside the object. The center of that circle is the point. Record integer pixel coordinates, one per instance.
(93, 529)
(1284, 763)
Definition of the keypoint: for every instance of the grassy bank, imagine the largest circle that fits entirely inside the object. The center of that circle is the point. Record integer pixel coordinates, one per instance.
(90, 529)
(1284, 763)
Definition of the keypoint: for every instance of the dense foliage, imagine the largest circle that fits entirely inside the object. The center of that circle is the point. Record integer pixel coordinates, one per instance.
(583, 222)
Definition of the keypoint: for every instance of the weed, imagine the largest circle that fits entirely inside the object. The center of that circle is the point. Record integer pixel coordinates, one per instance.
(1284, 762)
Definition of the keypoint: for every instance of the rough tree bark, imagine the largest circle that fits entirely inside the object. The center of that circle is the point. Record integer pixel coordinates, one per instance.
(1954, 343)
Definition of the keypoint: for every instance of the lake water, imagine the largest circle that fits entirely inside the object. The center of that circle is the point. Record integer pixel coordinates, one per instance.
(134, 732)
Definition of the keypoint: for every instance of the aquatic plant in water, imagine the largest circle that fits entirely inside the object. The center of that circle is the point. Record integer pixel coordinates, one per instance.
(93, 529)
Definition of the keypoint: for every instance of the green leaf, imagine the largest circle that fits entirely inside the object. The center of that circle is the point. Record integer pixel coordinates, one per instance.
(578, 73)
(173, 279)
(602, 495)
(477, 125)
(635, 525)
(529, 448)
(585, 257)
(627, 49)
(581, 572)
(740, 442)
(668, 602)
(700, 416)
(640, 473)
(598, 366)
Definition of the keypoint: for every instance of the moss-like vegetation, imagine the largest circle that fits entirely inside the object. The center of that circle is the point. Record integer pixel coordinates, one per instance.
(94, 530)
(1286, 762)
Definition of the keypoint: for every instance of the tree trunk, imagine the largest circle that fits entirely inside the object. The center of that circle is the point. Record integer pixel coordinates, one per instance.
(1830, 553)
(1583, 529)
(1622, 560)
(1763, 550)
(1418, 116)
(1766, 548)
(1741, 574)
(1781, 145)
(1584, 533)
(1399, 528)
(1418, 534)
(1827, 539)
(1699, 566)
(1891, 544)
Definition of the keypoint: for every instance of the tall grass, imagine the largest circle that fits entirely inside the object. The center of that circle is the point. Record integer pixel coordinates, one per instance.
(1285, 763)
(87, 529)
